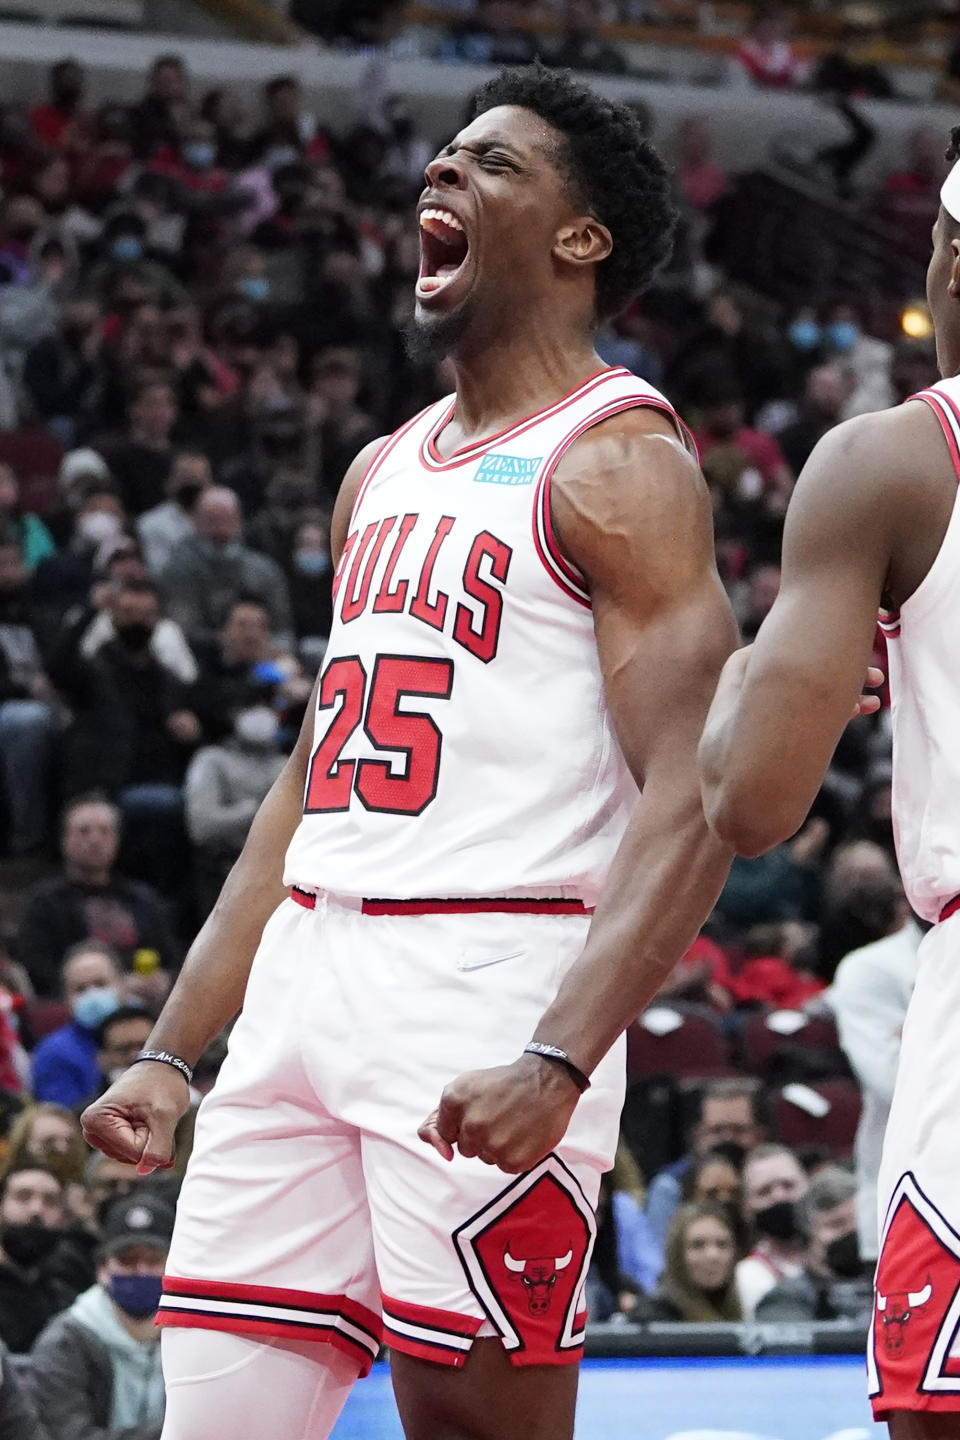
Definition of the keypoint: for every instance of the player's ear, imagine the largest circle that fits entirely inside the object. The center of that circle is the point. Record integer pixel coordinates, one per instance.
(583, 241)
(953, 285)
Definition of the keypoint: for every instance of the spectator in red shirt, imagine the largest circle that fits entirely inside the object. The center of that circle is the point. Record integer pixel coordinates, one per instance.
(61, 123)
(766, 58)
(764, 473)
(701, 181)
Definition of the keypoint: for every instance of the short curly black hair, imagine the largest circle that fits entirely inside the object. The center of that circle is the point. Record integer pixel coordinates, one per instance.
(616, 172)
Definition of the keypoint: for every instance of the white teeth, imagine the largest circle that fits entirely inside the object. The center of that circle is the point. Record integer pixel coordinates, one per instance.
(444, 216)
(430, 284)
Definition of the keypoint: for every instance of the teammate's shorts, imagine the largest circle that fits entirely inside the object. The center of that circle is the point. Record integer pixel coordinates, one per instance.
(913, 1356)
(310, 1208)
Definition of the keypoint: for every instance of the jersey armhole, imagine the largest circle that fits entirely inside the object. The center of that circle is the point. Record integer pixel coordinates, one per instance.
(571, 580)
(948, 415)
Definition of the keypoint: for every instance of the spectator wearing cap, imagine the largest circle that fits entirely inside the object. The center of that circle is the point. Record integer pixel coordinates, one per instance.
(90, 900)
(212, 570)
(166, 525)
(96, 1368)
(835, 1283)
(32, 1214)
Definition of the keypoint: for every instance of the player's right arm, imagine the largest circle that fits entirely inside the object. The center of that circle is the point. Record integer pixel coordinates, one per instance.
(136, 1118)
(866, 520)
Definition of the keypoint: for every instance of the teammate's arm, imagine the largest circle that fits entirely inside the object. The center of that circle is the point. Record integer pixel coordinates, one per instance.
(136, 1118)
(632, 512)
(782, 704)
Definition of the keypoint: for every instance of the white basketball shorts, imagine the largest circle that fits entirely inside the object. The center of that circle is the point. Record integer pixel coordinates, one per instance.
(310, 1208)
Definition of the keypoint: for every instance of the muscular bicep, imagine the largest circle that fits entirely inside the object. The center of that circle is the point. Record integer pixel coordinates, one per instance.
(634, 515)
(807, 665)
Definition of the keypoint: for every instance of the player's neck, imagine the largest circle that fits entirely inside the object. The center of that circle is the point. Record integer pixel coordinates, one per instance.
(498, 384)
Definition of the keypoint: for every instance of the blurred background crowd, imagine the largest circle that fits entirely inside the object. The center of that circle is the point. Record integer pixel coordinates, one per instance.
(202, 301)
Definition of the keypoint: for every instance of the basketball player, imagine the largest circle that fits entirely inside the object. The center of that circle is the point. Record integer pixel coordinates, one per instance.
(528, 624)
(875, 521)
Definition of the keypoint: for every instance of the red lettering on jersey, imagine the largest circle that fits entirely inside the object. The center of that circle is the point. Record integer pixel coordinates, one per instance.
(483, 642)
(338, 574)
(389, 601)
(356, 600)
(432, 612)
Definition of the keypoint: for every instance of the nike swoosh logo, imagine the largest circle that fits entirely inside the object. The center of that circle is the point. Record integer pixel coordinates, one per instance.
(483, 961)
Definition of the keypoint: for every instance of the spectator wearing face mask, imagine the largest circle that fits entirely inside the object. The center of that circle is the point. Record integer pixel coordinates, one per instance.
(773, 1185)
(90, 900)
(835, 1283)
(31, 1225)
(95, 1370)
(311, 573)
(212, 570)
(163, 528)
(65, 1066)
(63, 580)
(225, 786)
(124, 258)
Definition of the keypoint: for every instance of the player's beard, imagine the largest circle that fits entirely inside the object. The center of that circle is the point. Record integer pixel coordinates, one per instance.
(428, 338)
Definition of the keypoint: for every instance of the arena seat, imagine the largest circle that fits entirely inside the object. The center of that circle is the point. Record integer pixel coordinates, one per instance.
(683, 1041)
(775, 1042)
(818, 1119)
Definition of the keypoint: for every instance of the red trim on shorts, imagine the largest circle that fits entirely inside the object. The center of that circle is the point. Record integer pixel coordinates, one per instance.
(442, 1336)
(324, 1318)
(490, 906)
(951, 908)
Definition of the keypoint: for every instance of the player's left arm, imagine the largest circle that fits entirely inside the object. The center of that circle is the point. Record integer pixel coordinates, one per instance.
(630, 509)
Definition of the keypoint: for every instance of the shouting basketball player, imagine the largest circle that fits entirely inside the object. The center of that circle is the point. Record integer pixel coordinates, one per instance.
(875, 521)
(528, 626)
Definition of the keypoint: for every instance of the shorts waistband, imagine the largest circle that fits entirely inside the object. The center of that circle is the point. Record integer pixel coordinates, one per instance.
(951, 908)
(505, 905)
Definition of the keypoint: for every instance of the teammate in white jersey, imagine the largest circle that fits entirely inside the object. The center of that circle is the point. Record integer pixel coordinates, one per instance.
(875, 521)
(528, 625)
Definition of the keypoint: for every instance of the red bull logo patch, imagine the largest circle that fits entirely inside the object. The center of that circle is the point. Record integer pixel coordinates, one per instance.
(525, 1256)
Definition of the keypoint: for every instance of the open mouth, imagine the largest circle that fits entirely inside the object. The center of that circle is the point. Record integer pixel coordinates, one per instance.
(443, 250)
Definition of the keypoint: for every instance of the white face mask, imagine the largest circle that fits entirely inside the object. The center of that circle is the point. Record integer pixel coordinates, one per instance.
(256, 727)
(97, 526)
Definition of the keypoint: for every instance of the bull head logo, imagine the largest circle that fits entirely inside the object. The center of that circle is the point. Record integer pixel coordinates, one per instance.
(895, 1311)
(538, 1276)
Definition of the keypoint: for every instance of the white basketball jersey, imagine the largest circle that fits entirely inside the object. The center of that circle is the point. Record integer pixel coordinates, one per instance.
(924, 671)
(462, 745)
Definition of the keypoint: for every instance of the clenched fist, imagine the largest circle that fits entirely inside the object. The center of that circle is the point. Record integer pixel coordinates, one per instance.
(510, 1116)
(135, 1120)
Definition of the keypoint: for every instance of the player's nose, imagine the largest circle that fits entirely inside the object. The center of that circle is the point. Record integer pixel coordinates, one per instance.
(444, 173)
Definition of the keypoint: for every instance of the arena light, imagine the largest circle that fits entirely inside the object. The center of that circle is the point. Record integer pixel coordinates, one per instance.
(915, 321)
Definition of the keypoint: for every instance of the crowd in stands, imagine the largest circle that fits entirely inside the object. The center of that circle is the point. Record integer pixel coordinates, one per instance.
(202, 308)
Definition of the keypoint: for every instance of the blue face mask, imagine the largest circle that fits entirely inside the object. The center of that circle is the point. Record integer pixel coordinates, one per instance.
(93, 1006)
(805, 334)
(136, 1295)
(254, 288)
(312, 562)
(127, 247)
(199, 154)
(843, 334)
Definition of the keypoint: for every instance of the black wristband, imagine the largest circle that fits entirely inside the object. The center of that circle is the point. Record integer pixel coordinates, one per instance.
(560, 1057)
(166, 1057)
